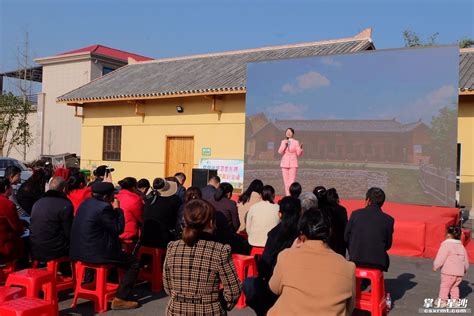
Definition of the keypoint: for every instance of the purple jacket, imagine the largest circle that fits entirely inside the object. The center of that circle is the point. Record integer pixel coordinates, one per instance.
(452, 258)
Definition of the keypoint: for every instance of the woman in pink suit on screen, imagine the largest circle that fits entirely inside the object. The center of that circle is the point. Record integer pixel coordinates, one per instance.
(290, 149)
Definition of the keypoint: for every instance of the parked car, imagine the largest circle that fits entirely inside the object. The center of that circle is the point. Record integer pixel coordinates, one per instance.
(6, 162)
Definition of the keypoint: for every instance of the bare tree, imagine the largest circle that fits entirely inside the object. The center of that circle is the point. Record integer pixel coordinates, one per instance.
(11, 123)
(16, 107)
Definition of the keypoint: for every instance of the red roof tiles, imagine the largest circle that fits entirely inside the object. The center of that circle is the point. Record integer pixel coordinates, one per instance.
(107, 51)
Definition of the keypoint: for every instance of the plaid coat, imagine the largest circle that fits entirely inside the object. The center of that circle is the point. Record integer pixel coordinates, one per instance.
(192, 277)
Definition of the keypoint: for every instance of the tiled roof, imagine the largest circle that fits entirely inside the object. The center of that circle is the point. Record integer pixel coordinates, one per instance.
(466, 70)
(390, 126)
(211, 73)
(107, 51)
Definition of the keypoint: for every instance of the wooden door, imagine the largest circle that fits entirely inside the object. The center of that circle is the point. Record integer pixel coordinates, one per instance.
(180, 157)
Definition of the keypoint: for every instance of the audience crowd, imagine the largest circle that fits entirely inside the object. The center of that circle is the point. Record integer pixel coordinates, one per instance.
(310, 248)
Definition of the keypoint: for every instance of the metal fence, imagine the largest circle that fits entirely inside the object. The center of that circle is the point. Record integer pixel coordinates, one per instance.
(439, 183)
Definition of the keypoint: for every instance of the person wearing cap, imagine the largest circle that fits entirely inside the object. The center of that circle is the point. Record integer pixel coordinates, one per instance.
(96, 228)
(100, 173)
(160, 214)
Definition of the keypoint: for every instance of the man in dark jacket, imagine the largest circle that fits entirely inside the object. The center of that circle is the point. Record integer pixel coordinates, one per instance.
(51, 221)
(181, 178)
(369, 233)
(95, 239)
(211, 188)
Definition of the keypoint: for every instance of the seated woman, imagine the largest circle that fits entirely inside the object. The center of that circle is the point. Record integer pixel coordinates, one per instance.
(262, 217)
(160, 214)
(132, 205)
(77, 190)
(196, 266)
(11, 228)
(192, 193)
(310, 278)
(257, 293)
(339, 220)
(252, 195)
(31, 190)
(143, 186)
(222, 203)
(226, 235)
(295, 189)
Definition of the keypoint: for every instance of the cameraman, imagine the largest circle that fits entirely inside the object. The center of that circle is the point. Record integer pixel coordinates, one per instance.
(96, 228)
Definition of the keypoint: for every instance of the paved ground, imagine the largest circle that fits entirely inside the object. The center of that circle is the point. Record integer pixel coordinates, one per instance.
(410, 281)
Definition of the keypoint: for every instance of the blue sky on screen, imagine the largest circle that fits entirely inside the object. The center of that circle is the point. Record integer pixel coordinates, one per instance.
(406, 84)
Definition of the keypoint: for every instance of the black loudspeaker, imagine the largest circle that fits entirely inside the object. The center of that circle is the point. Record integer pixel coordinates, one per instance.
(201, 176)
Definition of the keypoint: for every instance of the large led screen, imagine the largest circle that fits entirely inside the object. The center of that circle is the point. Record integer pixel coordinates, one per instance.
(384, 118)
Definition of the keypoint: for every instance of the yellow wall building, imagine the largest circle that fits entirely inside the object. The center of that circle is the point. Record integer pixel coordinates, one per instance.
(466, 139)
(144, 137)
(135, 108)
(466, 127)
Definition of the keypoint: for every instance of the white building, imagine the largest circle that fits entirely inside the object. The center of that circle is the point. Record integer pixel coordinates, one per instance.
(56, 129)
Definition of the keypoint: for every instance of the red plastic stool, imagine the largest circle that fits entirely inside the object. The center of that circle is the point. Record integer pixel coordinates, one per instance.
(153, 274)
(35, 280)
(6, 270)
(257, 252)
(98, 291)
(373, 301)
(62, 283)
(27, 306)
(10, 293)
(245, 267)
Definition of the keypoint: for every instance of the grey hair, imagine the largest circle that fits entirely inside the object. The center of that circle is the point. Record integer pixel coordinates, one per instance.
(308, 200)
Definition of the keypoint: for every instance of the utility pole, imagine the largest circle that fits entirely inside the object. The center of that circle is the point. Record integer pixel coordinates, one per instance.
(25, 96)
(23, 135)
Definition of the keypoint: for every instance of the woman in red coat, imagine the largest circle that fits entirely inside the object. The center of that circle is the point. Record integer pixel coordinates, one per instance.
(11, 228)
(132, 205)
(77, 191)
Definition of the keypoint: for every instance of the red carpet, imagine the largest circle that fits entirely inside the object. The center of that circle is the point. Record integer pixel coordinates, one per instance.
(419, 230)
(470, 251)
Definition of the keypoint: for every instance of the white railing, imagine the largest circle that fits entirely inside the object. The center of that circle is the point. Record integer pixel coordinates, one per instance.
(439, 183)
